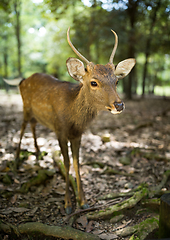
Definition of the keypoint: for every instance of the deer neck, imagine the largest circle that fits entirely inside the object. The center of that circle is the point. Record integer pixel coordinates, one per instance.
(84, 109)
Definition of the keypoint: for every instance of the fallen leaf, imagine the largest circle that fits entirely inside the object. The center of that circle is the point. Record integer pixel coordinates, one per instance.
(108, 236)
(62, 210)
(60, 190)
(20, 209)
(97, 231)
(14, 209)
(6, 211)
(83, 221)
(33, 211)
(90, 226)
(16, 181)
(14, 198)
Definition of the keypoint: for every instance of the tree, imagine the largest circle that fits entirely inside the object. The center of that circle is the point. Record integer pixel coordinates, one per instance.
(4, 35)
(10, 8)
(17, 25)
(132, 13)
(155, 6)
(142, 26)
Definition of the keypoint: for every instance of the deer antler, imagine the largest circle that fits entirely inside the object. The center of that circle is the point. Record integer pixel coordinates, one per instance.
(74, 49)
(115, 47)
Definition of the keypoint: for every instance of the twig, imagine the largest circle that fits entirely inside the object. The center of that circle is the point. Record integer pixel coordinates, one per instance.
(80, 211)
(129, 203)
(111, 171)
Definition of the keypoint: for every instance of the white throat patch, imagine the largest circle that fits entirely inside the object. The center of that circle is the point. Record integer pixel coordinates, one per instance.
(114, 111)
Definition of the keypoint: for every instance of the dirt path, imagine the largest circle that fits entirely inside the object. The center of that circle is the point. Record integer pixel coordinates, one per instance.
(135, 143)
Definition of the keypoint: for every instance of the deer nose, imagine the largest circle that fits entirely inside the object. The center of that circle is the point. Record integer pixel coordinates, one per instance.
(119, 106)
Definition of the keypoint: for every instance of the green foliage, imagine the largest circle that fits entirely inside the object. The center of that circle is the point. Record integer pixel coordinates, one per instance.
(5, 5)
(44, 46)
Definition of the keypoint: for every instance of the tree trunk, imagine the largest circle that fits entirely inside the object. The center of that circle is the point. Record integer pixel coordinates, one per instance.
(5, 59)
(132, 14)
(148, 44)
(164, 220)
(91, 30)
(17, 8)
(145, 67)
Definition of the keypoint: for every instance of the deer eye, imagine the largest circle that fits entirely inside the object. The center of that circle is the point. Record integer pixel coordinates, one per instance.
(94, 84)
(117, 82)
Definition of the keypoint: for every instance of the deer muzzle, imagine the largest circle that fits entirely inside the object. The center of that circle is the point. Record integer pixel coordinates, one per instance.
(119, 106)
(116, 108)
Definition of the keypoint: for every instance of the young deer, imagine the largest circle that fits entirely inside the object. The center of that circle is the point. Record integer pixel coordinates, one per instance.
(67, 108)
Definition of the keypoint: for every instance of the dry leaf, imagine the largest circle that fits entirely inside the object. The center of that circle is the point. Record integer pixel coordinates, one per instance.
(14, 198)
(108, 236)
(90, 226)
(60, 190)
(83, 221)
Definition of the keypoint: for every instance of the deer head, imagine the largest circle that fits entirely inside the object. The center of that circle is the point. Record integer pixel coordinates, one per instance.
(100, 81)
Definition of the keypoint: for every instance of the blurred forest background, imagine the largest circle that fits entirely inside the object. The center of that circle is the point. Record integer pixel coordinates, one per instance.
(33, 38)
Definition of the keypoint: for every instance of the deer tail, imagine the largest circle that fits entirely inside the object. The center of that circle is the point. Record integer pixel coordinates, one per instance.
(13, 82)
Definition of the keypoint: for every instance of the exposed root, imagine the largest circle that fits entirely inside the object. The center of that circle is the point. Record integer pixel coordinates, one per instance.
(143, 192)
(38, 229)
(121, 194)
(128, 203)
(141, 230)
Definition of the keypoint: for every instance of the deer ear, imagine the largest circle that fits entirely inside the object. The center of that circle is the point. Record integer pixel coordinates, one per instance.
(124, 67)
(75, 68)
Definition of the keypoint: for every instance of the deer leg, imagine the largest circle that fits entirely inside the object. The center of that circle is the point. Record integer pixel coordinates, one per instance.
(75, 145)
(33, 125)
(24, 124)
(64, 151)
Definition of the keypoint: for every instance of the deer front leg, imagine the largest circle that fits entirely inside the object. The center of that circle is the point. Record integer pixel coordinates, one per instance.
(33, 123)
(75, 145)
(64, 151)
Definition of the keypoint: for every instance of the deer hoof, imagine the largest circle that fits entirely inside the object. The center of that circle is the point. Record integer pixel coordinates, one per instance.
(68, 210)
(85, 206)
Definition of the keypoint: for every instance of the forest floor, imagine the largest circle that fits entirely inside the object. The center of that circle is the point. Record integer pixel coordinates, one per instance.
(135, 144)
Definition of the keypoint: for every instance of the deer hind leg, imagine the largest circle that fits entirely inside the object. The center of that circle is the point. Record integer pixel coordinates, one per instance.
(33, 123)
(24, 124)
(64, 151)
(75, 145)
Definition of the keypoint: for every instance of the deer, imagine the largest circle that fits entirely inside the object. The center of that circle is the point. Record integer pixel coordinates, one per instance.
(67, 108)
